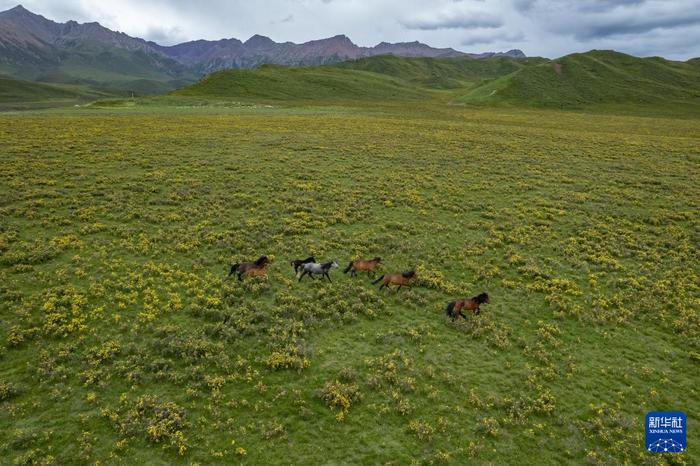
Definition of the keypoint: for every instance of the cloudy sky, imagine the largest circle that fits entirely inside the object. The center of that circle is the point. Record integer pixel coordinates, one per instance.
(551, 28)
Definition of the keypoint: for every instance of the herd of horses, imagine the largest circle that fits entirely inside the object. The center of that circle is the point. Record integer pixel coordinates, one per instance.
(309, 267)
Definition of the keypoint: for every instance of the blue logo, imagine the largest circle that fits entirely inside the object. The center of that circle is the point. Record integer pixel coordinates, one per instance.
(665, 431)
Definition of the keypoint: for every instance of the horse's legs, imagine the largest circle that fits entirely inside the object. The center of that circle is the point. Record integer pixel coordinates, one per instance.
(302, 275)
(478, 311)
(240, 276)
(398, 289)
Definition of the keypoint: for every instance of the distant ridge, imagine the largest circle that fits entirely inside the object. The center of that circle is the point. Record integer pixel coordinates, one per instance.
(209, 56)
(33, 47)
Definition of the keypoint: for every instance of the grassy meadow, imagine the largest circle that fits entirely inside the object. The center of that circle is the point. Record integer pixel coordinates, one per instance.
(123, 342)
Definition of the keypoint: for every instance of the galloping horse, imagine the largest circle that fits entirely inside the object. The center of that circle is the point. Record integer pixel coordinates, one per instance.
(369, 266)
(297, 263)
(250, 269)
(318, 269)
(401, 279)
(455, 308)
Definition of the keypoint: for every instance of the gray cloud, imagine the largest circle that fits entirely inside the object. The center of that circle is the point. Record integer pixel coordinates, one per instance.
(638, 26)
(164, 35)
(589, 21)
(607, 5)
(551, 28)
(523, 5)
(490, 36)
(453, 20)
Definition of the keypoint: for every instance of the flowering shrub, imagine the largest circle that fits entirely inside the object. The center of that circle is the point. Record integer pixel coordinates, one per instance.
(489, 425)
(340, 397)
(421, 429)
(8, 390)
(434, 279)
(289, 360)
(158, 421)
(64, 311)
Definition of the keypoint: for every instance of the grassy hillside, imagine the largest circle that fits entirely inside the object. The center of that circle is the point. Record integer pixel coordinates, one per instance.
(447, 73)
(596, 78)
(123, 342)
(320, 84)
(17, 94)
(600, 80)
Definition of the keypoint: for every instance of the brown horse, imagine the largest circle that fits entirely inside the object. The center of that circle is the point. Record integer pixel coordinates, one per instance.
(455, 308)
(369, 266)
(250, 269)
(401, 279)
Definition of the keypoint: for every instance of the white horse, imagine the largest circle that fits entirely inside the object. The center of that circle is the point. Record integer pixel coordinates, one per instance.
(319, 269)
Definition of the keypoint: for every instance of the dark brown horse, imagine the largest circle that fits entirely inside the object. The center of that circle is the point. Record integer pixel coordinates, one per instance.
(455, 308)
(299, 262)
(250, 269)
(401, 279)
(369, 266)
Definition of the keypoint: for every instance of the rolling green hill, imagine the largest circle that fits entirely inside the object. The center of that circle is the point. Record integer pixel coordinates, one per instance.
(320, 84)
(595, 78)
(441, 73)
(17, 94)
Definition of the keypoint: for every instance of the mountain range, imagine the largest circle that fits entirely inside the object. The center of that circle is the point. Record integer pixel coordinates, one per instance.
(207, 56)
(38, 49)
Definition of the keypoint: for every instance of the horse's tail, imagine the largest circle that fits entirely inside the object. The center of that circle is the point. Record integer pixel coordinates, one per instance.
(347, 269)
(234, 267)
(450, 307)
(378, 280)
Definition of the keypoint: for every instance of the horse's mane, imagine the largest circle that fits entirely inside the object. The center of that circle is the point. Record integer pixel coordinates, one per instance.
(481, 298)
(326, 265)
(376, 259)
(261, 261)
(408, 274)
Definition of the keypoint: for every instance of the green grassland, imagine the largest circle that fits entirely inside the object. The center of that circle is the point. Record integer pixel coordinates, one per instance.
(123, 342)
